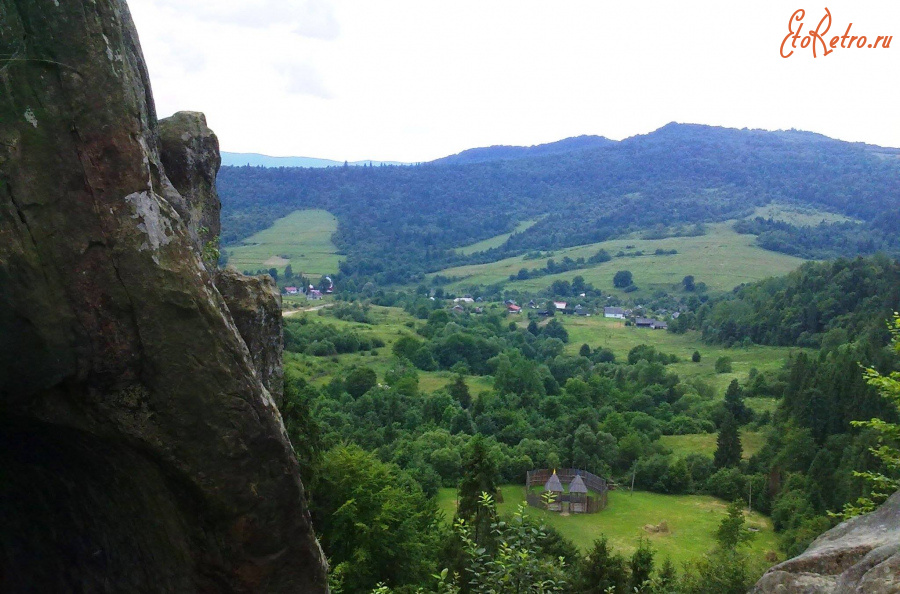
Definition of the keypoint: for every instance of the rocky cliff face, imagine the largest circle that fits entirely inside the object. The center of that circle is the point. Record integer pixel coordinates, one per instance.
(861, 556)
(255, 306)
(139, 447)
(189, 152)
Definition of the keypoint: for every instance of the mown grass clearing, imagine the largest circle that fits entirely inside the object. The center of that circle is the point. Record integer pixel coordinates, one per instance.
(705, 443)
(495, 241)
(722, 259)
(301, 239)
(692, 521)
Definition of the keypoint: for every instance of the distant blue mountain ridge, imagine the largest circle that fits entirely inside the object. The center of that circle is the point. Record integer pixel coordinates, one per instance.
(507, 152)
(257, 160)
(474, 155)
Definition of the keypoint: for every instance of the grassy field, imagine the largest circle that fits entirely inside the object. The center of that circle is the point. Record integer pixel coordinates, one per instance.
(598, 331)
(692, 521)
(798, 215)
(705, 443)
(301, 239)
(495, 241)
(722, 259)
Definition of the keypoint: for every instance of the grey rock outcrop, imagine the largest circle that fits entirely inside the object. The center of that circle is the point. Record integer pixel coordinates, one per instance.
(255, 306)
(859, 556)
(140, 450)
(189, 152)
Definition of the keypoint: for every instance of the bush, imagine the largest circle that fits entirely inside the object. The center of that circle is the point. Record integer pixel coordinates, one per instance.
(723, 365)
(728, 484)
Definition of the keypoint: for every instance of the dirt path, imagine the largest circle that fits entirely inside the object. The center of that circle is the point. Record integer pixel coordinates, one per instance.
(285, 313)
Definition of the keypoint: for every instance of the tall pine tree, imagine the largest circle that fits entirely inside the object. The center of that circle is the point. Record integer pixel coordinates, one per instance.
(479, 476)
(728, 443)
(734, 403)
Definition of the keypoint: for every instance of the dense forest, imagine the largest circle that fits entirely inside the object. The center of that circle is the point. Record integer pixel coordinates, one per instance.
(668, 180)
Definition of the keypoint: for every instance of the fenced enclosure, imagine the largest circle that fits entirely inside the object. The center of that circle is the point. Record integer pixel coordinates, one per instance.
(585, 494)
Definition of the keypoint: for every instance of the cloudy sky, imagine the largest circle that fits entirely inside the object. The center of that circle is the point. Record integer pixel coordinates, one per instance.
(413, 80)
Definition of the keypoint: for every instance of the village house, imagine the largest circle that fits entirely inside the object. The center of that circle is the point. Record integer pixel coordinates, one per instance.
(291, 290)
(514, 309)
(559, 304)
(643, 322)
(314, 294)
(614, 312)
(463, 300)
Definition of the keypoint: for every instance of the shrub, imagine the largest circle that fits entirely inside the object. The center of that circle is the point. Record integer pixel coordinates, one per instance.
(723, 365)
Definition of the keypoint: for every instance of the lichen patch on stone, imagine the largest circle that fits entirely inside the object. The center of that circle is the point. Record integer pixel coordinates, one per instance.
(109, 53)
(30, 118)
(157, 227)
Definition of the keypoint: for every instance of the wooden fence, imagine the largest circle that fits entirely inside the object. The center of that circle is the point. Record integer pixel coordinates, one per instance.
(591, 502)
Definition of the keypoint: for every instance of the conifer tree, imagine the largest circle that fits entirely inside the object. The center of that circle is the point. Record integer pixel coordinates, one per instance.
(460, 391)
(728, 444)
(881, 483)
(734, 402)
(641, 566)
(602, 570)
(479, 475)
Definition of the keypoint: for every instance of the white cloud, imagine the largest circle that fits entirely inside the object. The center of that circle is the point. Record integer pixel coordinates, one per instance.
(304, 79)
(411, 80)
(309, 18)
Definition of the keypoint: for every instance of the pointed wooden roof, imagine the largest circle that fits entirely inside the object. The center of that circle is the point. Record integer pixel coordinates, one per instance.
(553, 484)
(577, 485)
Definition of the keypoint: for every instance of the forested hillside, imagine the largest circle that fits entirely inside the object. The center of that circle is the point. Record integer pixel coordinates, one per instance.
(395, 223)
(820, 304)
(501, 152)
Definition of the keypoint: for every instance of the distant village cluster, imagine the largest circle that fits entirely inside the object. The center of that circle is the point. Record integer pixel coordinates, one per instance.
(634, 316)
(311, 292)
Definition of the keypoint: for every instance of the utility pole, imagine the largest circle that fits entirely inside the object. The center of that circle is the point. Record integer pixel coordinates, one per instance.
(633, 472)
(750, 508)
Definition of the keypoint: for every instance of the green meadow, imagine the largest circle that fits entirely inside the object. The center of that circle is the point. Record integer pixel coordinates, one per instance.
(301, 239)
(722, 259)
(705, 443)
(692, 521)
(495, 241)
